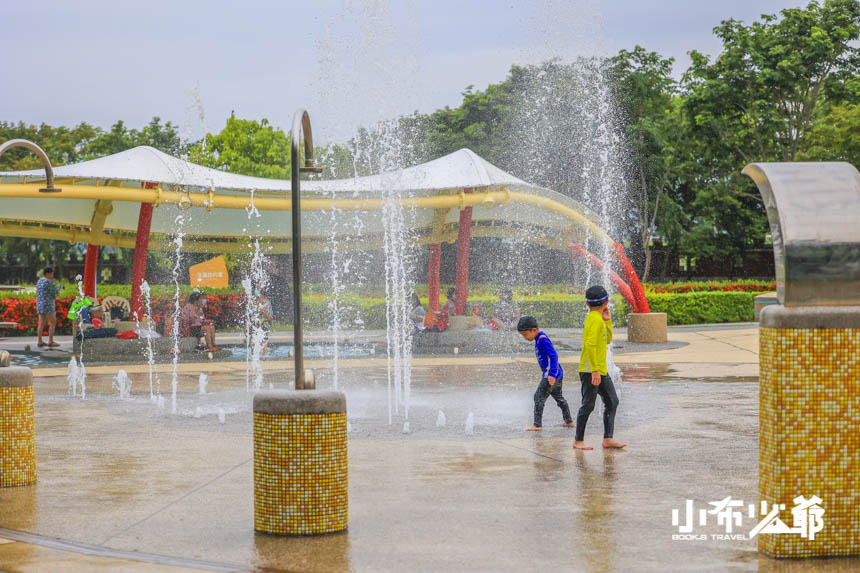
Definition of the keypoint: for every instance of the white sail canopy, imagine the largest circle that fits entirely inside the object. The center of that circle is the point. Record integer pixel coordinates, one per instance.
(461, 169)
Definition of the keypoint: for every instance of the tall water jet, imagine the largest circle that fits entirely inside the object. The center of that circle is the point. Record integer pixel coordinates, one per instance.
(146, 293)
(248, 289)
(254, 286)
(336, 288)
(174, 333)
(81, 371)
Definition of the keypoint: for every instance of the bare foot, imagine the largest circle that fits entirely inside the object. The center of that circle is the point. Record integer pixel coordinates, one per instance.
(534, 429)
(568, 425)
(612, 443)
(581, 446)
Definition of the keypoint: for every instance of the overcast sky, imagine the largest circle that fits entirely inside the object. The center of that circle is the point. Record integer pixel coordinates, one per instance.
(349, 62)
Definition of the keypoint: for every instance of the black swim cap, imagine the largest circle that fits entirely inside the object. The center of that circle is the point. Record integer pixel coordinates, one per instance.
(596, 295)
(527, 323)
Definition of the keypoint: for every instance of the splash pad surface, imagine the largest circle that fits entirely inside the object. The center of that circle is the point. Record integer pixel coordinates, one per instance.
(125, 477)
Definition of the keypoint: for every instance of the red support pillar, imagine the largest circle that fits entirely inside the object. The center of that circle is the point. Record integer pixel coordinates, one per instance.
(141, 249)
(433, 268)
(91, 266)
(464, 238)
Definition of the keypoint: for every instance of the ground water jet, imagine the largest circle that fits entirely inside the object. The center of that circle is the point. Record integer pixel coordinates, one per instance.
(122, 384)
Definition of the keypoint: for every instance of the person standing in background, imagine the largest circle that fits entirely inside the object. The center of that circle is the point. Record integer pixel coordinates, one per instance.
(46, 307)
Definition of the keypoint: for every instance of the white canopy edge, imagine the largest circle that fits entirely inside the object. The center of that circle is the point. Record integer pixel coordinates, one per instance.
(461, 169)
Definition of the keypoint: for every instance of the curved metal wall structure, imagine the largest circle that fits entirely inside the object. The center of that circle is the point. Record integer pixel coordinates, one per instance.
(814, 215)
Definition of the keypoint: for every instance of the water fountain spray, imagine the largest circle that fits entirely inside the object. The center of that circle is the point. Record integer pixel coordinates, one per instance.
(174, 332)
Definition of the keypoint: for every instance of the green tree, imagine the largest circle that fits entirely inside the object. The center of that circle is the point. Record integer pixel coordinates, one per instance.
(245, 146)
(835, 137)
(757, 101)
(164, 137)
(62, 144)
(655, 129)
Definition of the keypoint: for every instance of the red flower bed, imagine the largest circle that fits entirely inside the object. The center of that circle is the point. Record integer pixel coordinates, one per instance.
(223, 309)
(711, 286)
(23, 311)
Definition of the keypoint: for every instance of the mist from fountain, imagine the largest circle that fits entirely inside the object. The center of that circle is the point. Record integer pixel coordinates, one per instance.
(564, 136)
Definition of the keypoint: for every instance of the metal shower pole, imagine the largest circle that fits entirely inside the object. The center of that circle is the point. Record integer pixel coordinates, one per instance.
(301, 129)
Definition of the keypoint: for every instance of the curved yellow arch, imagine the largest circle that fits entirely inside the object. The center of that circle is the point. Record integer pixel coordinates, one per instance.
(210, 201)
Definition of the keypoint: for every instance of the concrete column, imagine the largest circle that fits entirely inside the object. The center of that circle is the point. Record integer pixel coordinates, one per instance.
(17, 427)
(647, 327)
(809, 410)
(300, 463)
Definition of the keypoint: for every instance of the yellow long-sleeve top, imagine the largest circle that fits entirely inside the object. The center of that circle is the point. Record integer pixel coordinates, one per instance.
(595, 336)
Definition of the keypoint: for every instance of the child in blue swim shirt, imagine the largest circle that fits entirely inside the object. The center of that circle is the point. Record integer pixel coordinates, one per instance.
(552, 373)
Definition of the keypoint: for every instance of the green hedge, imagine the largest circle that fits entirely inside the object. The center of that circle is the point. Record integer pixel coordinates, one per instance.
(557, 310)
(553, 310)
(704, 307)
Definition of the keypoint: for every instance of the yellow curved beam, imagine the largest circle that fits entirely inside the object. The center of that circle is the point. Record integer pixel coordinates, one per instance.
(158, 196)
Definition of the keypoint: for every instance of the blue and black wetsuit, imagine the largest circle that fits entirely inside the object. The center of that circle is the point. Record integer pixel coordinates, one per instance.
(548, 359)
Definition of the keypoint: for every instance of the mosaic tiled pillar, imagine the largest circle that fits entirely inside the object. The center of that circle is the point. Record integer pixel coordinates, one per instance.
(17, 427)
(809, 443)
(300, 462)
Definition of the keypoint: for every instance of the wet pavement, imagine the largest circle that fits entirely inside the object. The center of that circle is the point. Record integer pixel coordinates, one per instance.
(124, 485)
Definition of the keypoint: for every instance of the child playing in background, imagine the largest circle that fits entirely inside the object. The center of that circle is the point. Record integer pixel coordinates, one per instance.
(593, 374)
(551, 373)
(264, 316)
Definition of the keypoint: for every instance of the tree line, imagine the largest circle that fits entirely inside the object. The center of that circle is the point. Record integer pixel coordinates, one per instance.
(782, 88)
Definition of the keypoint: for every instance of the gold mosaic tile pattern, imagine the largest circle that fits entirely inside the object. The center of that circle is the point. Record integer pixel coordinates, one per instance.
(809, 442)
(17, 437)
(300, 473)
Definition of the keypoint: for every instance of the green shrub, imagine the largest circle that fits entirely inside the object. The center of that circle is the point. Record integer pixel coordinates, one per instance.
(704, 307)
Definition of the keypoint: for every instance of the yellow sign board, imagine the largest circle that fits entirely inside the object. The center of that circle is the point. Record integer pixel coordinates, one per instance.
(211, 273)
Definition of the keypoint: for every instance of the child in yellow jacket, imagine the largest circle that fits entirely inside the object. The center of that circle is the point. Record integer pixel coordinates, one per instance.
(593, 374)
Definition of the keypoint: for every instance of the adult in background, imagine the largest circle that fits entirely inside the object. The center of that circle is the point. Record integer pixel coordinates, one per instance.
(506, 315)
(46, 306)
(417, 314)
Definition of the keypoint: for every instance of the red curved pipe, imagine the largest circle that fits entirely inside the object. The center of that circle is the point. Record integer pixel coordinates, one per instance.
(577, 250)
(632, 279)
